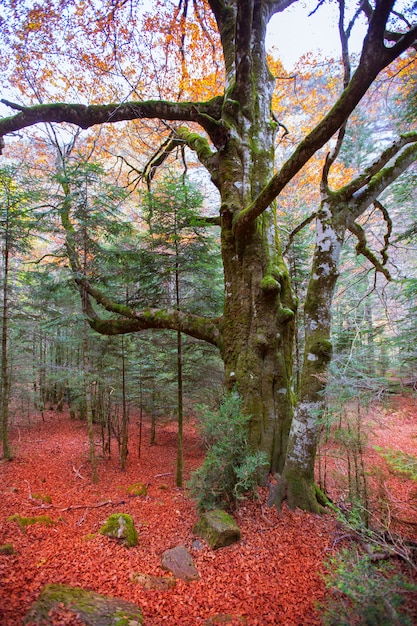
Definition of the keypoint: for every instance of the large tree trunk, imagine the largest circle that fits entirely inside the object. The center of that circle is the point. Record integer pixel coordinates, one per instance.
(258, 339)
(259, 310)
(297, 484)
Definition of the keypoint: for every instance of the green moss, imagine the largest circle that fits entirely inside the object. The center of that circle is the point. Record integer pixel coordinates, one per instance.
(7, 548)
(322, 348)
(42, 498)
(285, 315)
(196, 142)
(121, 526)
(24, 522)
(90, 607)
(270, 284)
(138, 489)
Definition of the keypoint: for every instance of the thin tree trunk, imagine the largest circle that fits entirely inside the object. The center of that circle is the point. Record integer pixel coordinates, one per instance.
(124, 446)
(5, 381)
(180, 436)
(297, 482)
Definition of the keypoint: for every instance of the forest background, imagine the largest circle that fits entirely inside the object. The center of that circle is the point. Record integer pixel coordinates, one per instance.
(306, 190)
(243, 225)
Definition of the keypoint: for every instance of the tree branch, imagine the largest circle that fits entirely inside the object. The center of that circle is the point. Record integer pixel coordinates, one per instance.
(297, 229)
(200, 146)
(196, 326)
(207, 114)
(375, 57)
(388, 221)
(193, 325)
(346, 192)
(362, 248)
(361, 200)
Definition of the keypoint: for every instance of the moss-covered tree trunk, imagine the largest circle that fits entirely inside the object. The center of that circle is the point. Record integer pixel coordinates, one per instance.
(296, 483)
(259, 311)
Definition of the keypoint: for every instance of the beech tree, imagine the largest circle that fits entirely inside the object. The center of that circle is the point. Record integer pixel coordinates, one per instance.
(234, 137)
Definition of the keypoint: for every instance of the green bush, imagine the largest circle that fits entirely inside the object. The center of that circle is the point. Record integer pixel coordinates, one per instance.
(365, 593)
(400, 462)
(231, 470)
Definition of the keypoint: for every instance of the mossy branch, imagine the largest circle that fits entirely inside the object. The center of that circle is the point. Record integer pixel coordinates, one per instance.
(85, 116)
(200, 146)
(346, 192)
(359, 201)
(362, 248)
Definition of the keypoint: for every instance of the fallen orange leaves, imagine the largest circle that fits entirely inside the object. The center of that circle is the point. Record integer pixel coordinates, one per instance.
(272, 576)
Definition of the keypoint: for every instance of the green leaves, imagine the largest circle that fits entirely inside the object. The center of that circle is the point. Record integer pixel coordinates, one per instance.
(231, 470)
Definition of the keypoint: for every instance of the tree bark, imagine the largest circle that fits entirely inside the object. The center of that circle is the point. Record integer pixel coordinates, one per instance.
(297, 483)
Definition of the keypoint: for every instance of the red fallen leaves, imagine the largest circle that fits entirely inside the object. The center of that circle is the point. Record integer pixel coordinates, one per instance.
(274, 575)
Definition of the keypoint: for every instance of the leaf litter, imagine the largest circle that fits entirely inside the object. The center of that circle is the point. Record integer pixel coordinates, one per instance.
(274, 575)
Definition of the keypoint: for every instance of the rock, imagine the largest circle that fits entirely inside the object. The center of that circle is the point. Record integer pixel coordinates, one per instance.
(160, 583)
(138, 489)
(218, 528)
(120, 526)
(178, 561)
(7, 548)
(197, 545)
(91, 608)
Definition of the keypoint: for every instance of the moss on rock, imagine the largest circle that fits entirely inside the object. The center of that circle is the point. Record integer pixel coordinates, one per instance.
(218, 528)
(92, 608)
(120, 526)
(7, 548)
(138, 489)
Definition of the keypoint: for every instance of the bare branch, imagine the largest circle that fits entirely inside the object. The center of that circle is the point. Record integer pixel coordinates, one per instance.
(387, 235)
(297, 229)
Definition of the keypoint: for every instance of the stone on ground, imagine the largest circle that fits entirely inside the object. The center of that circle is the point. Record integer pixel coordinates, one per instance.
(90, 608)
(218, 528)
(120, 526)
(179, 562)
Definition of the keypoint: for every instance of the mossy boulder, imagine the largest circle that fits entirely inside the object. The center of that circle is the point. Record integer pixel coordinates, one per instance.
(120, 526)
(138, 489)
(218, 528)
(7, 548)
(91, 608)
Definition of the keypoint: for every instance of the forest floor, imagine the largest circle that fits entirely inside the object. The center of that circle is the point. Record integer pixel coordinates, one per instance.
(274, 575)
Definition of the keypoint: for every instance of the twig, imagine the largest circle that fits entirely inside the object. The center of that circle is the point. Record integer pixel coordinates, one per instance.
(160, 475)
(77, 472)
(74, 507)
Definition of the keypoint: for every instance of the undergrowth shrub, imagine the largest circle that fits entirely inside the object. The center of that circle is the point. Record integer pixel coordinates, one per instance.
(231, 470)
(364, 592)
(400, 462)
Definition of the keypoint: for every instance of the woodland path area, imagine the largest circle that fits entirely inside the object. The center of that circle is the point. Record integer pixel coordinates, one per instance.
(274, 575)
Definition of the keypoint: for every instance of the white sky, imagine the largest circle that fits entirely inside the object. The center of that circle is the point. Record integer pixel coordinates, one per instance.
(293, 33)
